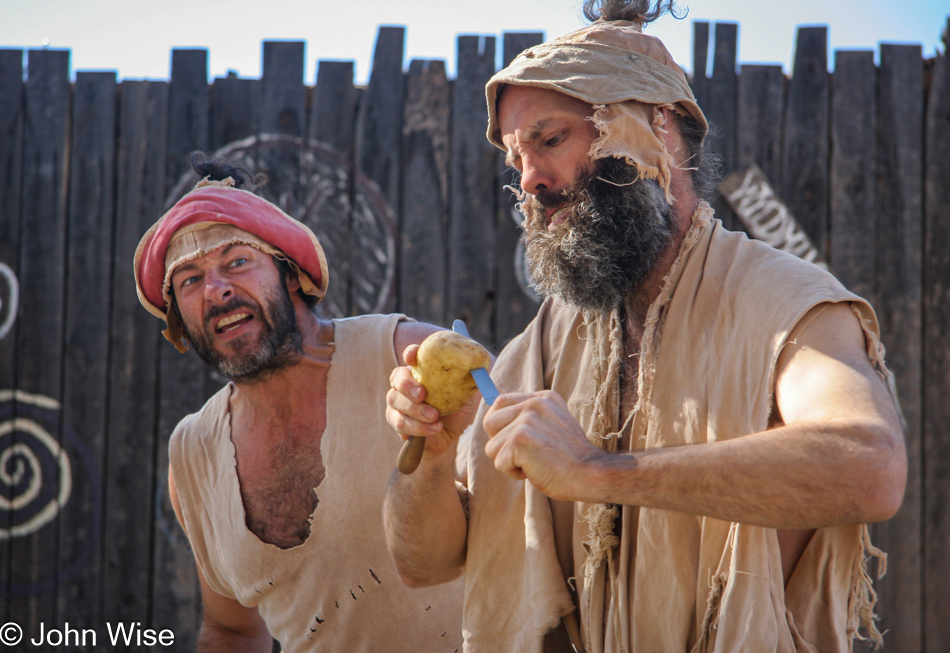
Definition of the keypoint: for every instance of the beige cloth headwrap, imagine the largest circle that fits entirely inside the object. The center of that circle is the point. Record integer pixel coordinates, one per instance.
(626, 75)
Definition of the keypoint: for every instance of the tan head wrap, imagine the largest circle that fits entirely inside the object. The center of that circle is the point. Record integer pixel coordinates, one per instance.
(626, 75)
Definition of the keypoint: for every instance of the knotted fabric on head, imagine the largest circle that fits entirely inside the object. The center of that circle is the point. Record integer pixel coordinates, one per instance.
(214, 215)
(628, 77)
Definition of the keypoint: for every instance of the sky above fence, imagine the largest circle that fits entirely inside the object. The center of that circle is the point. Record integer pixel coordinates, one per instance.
(134, 37)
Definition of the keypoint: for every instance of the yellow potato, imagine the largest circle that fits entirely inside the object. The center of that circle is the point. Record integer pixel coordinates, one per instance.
(443, 366)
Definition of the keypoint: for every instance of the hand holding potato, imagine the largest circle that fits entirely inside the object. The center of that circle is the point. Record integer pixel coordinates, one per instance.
(443, 367)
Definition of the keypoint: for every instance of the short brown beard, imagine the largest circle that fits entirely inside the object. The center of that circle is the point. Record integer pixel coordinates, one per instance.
(279, 346)
(616, 227)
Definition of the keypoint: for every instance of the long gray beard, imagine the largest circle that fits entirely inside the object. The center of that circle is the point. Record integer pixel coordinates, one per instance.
(615, 231)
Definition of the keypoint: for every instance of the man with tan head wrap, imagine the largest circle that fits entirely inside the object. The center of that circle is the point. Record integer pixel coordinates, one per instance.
(278, 479)
(697, 426)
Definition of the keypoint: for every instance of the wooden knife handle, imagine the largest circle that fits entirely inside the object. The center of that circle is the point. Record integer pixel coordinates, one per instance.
(411, 454)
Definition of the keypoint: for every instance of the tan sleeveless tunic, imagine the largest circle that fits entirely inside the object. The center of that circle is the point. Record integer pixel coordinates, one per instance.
(338, 591)
(672, 582)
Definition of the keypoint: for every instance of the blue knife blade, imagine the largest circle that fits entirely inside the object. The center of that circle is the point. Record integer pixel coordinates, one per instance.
(482, 380)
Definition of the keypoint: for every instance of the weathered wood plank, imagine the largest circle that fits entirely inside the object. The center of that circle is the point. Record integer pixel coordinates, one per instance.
(853, 132)
(333, 122)
(379, 128)
(805, 148)
(423, 237)
(699, 82)
(11, 153)
(473, 169)
(936, 381)
(333, 117)
(39, 359)
(85, 372)
(182, 378)
(720, 109)
(283, 110)
(175, 597)
(133, 374)
(235, 109)
(378, 145)
(516, 304)
(723, 93)
(898, 282)
(761, 101)
(189, 109)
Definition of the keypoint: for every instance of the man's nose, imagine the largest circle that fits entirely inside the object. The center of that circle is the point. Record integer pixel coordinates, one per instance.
(217, 287)
(534, 177)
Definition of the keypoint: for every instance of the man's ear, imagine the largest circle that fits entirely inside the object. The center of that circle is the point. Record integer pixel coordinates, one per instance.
(293, 283)
(288, 273)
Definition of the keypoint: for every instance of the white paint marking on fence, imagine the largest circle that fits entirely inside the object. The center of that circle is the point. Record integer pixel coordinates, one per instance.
(28, 398)
(13, 300)
(766, 216)
(20, 461)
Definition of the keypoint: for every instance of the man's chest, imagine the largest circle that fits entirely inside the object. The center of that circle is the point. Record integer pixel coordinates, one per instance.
(279, 487)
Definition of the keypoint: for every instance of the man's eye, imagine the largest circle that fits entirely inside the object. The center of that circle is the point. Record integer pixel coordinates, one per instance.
(554, 140)
(189, 281)
(238, 262)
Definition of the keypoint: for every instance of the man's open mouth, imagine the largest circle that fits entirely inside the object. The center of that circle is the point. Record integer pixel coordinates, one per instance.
(232, 322)
(557, 217)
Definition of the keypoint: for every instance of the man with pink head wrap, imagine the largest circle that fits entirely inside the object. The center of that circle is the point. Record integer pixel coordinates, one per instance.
(278, 479)
(697, 427)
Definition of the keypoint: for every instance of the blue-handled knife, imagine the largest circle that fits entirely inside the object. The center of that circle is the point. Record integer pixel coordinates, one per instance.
(482, 380)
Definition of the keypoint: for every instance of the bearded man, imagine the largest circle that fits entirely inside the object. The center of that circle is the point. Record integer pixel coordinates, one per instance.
(697, 427)
(278, 479)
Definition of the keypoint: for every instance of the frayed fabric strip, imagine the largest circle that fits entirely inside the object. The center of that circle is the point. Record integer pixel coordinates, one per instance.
(863, 596)
(632, 131)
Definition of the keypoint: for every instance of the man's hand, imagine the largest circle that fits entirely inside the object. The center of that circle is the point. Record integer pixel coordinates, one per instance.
(407, 413)
(534, 436)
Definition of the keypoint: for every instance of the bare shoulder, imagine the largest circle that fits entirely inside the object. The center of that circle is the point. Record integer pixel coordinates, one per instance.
(830, 328)
(824, 370)
(411, 333)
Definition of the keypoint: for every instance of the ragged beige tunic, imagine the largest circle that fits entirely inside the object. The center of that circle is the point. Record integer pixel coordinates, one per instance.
(338, 591)
(674, 582)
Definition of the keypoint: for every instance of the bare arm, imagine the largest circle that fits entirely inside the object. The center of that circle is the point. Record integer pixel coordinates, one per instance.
(839, 458)
(226, 625)
(426, 527)
(410, 333)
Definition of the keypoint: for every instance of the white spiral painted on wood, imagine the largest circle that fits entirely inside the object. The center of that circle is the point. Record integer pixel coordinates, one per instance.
(21, 461)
